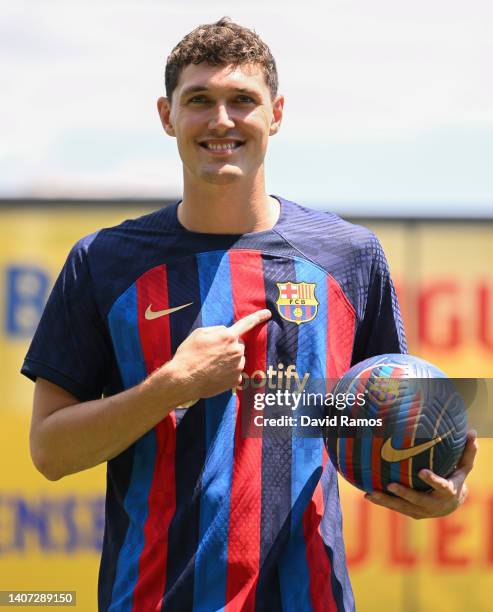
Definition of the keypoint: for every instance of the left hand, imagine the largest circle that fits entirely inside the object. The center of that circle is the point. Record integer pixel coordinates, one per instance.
(446, 495)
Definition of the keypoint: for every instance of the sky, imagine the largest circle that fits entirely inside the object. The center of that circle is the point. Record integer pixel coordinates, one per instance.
(389, 106)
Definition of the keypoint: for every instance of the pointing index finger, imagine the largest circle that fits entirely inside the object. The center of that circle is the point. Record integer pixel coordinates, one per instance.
(244, 325)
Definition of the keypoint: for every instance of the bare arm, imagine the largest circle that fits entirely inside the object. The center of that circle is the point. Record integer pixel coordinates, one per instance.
(68, 436)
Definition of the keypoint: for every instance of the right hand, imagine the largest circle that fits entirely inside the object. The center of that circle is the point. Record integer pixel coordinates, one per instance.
(212, 359)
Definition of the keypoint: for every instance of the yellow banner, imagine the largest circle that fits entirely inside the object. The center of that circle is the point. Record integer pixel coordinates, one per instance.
(50, 533)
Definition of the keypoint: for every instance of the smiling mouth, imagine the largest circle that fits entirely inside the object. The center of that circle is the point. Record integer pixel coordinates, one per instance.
(221, 147)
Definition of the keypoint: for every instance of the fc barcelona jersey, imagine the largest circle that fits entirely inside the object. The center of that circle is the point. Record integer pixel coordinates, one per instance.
(200, 516)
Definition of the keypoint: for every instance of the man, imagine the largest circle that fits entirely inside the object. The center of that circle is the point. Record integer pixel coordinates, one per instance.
(177, 309)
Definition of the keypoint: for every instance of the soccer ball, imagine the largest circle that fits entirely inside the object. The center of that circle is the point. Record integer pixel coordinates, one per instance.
(410, 417)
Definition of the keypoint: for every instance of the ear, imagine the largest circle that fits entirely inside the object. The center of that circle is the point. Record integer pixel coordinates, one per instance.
(164, 110)
(277, 110)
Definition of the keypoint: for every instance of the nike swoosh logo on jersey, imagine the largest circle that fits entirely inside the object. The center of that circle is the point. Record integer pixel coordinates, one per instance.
(391, 454)
(155, 314)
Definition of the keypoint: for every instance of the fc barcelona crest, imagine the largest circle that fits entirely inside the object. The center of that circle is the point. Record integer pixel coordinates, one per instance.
(297, 302)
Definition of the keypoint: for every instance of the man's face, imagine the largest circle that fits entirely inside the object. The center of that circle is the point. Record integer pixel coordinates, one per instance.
(222, 117)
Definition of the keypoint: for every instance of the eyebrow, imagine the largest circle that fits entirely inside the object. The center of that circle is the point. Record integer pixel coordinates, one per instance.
(199, 88)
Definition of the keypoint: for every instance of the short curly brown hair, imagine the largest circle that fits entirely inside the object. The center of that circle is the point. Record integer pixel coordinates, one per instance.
(219, 44)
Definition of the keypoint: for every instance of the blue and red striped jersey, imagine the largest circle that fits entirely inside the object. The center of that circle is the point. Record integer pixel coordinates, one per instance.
(200, 516)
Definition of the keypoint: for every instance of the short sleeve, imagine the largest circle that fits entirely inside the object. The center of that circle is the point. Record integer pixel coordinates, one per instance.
(380, 329)
(71, 345)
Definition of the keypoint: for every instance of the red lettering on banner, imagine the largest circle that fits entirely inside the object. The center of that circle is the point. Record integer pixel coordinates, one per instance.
(357, 555)
(447, 531)
(485, 318)
(429, 300)
(400, 550)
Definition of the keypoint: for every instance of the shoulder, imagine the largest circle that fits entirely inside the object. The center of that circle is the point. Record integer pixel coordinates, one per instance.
(113, 257)
(118, 239)
(325, 234)
(349, 253)
(128, 241)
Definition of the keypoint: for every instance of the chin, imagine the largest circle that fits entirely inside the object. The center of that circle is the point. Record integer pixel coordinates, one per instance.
(225, 176)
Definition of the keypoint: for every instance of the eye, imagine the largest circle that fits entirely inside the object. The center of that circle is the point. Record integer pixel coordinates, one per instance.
(200, 99)
(244, 99)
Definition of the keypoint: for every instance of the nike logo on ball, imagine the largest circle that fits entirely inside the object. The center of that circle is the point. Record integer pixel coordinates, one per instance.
(155, 314)
(391, 454)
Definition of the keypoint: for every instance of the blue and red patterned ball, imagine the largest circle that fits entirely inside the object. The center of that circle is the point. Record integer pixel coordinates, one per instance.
(411, 418)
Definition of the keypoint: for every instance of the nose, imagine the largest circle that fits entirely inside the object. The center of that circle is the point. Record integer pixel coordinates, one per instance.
(221, 119)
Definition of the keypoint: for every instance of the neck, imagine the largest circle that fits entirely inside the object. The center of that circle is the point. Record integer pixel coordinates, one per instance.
(227, 209)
